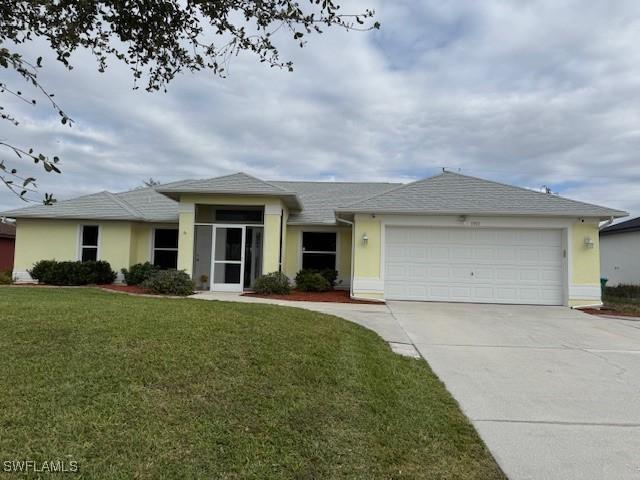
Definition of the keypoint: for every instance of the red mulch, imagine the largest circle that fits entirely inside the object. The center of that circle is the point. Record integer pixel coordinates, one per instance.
(126, 288)
(334, 296)
(606, 311)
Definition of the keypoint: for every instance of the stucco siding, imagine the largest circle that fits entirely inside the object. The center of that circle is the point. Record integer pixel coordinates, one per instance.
(59, 240)
(620, 258)
(293, 240)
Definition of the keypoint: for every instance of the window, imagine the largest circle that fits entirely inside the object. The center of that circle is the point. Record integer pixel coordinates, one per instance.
(165, 248)
(318, 250)
(228, 214)
(89, 236)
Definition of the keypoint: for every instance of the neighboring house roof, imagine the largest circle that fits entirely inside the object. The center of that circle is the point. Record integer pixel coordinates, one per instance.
(320, 199)
(632, 225)
(144, 204)
(453, 193)
(235, 184)
(7, 230)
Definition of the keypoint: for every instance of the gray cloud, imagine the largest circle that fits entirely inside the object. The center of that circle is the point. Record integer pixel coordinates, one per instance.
(525, 92)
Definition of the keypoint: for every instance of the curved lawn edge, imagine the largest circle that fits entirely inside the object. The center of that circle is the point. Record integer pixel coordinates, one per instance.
(147, 387)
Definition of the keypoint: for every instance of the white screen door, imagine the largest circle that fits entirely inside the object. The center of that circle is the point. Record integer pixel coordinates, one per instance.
(228, 258)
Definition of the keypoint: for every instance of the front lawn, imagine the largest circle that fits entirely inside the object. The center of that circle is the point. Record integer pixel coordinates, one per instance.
(134, 387)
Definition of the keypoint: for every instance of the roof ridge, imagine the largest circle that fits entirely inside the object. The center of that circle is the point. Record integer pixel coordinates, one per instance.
(398, 187)
(263, 181)
(339, 183)
(126, 205)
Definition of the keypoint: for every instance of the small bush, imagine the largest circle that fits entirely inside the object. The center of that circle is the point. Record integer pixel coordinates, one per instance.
(272, 283)
(139, 272)
(5, 278)
(623, 291)
(169, 282)
(72, 273)
(312, 281)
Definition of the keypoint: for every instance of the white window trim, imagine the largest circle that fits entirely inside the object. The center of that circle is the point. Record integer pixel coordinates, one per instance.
(79, 244)
(328, 252)
(153, 243)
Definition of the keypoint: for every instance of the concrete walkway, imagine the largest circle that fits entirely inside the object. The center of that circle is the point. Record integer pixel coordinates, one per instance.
(378, 318)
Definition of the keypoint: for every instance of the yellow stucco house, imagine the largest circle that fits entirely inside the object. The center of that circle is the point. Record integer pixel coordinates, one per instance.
(451, 237)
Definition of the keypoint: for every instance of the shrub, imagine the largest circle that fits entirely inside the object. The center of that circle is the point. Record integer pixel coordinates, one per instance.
(169, 282)
(312, 281)
(72, 273)
(272, 283)
(139, 272)
(623, 291)
(5, 278)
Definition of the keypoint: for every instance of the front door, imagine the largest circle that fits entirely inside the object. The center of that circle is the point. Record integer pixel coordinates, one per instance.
(228, 258)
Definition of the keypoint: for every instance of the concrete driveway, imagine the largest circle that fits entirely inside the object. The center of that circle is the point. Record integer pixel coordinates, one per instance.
(554, 393)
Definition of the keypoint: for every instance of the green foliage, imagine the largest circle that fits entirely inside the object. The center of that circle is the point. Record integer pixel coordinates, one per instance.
(623, 291)
(53, 272)
(139, 272)
(312, 281)
(169, 282)
(5, 278)
(273, 283)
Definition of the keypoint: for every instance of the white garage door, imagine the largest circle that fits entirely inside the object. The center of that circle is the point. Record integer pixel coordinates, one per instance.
(474, 265)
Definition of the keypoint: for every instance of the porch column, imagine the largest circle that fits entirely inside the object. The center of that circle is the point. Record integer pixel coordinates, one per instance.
(272, 234)
(185, 236)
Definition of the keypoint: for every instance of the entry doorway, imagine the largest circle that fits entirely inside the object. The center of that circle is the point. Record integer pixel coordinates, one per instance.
(227, 258)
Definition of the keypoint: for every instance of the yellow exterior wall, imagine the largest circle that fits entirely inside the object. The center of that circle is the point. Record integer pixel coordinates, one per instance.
(185, 240)
(140, 243)
(586, 261)
(44, 240)
(293, 242)
(271, 245)
(367, 257)
(121, 243)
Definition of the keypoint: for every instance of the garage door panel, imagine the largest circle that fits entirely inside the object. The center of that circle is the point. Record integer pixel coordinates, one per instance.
(474, 265)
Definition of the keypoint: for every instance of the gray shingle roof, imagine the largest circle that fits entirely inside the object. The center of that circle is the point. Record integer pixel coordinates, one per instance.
(237, 184)
(144, 204)
(320, 199)
(632, 225)
(453, 193)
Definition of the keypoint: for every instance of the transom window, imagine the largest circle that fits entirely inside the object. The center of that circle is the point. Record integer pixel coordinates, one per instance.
(318, 250)
(165, 248)
(89, 237)
(229, 214)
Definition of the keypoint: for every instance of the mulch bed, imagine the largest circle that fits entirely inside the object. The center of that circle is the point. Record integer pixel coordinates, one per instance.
(333, 296)
(606, 311)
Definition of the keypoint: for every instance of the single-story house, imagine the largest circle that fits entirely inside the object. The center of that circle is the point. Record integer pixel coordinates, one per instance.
(620, 253)
(450, 237)
(7, 246)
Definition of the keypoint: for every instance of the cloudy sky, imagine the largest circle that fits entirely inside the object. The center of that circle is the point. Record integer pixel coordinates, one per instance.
(526, 92)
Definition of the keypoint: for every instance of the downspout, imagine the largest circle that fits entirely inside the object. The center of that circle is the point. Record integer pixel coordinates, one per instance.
(353, 248)
(607, 223)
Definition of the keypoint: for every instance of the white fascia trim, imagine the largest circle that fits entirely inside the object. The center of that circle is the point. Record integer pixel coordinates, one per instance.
(370, 285)
(585, 292)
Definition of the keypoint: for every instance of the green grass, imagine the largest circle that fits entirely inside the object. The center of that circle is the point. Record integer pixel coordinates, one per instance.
(133, 387)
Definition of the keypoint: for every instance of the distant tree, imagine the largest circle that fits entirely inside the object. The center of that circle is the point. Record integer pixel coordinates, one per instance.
(157, 39)
(151, 182)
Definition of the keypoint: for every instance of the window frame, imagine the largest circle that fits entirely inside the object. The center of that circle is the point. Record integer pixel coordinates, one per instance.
(81, 246)
(336, 253)
(153, 243)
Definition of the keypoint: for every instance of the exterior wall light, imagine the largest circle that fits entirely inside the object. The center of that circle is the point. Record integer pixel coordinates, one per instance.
(365, 239)
(588, 242)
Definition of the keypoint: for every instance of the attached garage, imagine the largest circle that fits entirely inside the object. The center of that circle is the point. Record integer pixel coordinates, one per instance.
(483, 265)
